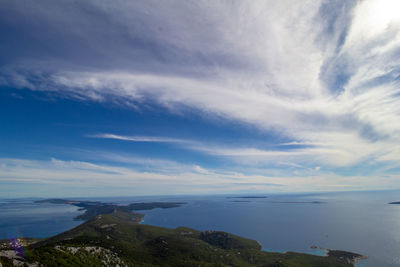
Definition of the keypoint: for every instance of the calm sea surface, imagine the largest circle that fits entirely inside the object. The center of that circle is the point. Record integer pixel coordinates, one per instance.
(359, 222)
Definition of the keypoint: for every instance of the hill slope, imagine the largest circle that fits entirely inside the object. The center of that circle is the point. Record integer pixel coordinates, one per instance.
(117, 239)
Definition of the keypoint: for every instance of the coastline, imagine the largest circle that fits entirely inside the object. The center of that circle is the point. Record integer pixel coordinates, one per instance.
(350, 257)
(92, 208)
(95, 207)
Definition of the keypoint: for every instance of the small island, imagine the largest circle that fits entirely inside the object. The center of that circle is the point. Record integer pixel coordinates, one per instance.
(299, 202)
(249, 197)
(94, 208)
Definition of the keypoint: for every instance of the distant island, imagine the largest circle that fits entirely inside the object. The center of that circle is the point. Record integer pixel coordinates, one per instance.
(94, 208)
(396, 202)
(300, 202)
(249, 197)
(116, 238)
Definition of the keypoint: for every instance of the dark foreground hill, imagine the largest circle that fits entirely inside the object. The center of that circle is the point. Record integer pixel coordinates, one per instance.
(117, 239)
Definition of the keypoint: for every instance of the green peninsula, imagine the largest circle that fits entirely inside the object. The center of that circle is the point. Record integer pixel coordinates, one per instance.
(117, 238)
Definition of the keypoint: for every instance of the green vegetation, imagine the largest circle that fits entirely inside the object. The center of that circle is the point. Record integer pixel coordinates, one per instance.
(94, 208)
(117, 239)
(349, 257)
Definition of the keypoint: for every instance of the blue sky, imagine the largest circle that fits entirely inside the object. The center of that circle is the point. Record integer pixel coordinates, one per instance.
(198, 97)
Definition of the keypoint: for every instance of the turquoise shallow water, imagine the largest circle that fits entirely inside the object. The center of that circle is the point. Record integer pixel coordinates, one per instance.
(359, 222)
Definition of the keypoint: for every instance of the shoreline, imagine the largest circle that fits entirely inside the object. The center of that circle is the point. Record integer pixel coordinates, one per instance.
(95, 207)
(350, 257)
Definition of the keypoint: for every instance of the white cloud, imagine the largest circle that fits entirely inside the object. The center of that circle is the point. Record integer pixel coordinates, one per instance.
(139, 138)
(342, 150)
(329, 79)
(71, 173)
(200, 180)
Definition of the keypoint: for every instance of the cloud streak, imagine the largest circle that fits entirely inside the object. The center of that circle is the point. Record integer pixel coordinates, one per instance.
(72, 173)
(139, 138)
(304, 153)
(198, 180)
(318, 73)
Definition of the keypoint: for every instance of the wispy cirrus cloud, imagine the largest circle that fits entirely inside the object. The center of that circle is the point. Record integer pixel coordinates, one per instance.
(140, 138)
(193, 179)
(319, 73)
(122, 180)
(327, 154)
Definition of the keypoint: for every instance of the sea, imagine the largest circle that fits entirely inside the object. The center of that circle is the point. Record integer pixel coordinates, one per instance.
(360, 222)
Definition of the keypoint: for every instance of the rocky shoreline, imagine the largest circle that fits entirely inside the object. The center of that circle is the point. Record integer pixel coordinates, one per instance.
(349, 257)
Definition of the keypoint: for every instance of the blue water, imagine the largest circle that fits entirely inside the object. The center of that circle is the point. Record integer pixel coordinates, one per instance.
(23, 217)
(359, 222)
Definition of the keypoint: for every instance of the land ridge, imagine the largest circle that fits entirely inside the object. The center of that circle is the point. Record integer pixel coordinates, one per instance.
(117, 238)
(94, 208)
